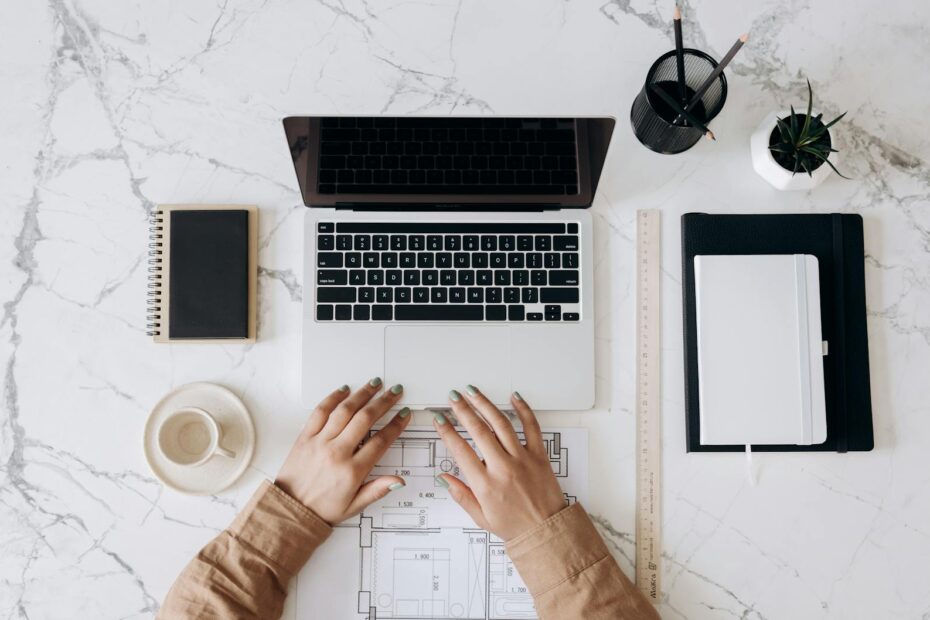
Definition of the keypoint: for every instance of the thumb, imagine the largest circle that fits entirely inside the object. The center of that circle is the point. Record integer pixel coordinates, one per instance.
(372, 491)
(463, 496)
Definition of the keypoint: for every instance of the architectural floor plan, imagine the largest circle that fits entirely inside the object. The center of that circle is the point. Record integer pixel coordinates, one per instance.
(417, 555)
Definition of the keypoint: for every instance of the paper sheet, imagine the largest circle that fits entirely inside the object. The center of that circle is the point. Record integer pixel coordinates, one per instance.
(416, 554)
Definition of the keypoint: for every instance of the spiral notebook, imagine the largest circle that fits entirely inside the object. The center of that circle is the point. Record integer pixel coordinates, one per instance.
(202, 273)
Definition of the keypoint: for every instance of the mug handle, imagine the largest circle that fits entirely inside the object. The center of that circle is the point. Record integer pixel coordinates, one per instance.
(224, 452)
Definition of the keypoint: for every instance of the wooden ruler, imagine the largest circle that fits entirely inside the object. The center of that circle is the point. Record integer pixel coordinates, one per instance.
(648, 403)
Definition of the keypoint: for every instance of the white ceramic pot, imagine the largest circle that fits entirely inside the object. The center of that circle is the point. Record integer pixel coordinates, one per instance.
(769, 169)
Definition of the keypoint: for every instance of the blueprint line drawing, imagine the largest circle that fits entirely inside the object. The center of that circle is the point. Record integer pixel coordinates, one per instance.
(416, 554)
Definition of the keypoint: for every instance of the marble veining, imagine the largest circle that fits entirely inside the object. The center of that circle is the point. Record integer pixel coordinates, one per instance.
(111, 108)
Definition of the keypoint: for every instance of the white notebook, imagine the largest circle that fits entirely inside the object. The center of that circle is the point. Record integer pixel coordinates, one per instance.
(760, 350)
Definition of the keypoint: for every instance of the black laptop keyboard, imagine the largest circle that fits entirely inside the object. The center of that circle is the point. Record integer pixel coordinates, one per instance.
(486, 156)
(404, 271)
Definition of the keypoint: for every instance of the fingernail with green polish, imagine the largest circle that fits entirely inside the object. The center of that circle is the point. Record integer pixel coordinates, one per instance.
(471, 389)
(344, 388)
(397, 389)
(396, 485)
(439, 417)
(375, 382)
(442, 482)
(403, 413)
(517, 395)
(454, 395)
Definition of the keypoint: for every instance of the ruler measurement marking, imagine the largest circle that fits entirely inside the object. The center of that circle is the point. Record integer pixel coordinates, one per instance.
(648, 403)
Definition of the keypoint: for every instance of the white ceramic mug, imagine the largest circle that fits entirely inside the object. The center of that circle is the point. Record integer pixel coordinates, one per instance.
(190, 436)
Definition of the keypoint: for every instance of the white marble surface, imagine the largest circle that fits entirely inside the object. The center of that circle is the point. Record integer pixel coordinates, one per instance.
(108, 108)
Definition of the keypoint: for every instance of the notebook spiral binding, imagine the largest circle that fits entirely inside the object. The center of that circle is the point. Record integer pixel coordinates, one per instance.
(156, 254)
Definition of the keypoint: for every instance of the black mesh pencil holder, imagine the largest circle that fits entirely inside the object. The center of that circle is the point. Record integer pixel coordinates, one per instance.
(654, 120)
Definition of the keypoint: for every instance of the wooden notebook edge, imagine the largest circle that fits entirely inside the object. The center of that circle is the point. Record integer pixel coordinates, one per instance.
(162, 308)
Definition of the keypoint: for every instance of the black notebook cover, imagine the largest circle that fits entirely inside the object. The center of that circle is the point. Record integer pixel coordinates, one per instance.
(836, 240)
(208, 282)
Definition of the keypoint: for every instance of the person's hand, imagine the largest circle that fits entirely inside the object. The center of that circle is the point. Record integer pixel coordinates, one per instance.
(326, 468)
(514, 488)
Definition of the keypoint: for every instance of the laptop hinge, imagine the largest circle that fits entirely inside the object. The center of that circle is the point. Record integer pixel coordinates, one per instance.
(445, 207)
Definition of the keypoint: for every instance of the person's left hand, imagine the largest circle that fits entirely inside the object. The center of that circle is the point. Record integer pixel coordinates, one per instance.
(326, 469)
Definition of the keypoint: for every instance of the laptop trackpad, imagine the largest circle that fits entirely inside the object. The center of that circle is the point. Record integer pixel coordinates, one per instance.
(430, 361)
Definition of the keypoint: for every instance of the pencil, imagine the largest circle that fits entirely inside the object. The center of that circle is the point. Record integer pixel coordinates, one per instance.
(682, 113)
(680, 56)
(716, 72)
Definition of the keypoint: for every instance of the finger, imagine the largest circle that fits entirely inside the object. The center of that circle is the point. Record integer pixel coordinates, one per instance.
(374, 448)
(531, 431)
(464, 455)
(503, 427)
(360, 424)
(476, 426)
(321, 413)
(347, 408)
(465, 498)
(372, 491)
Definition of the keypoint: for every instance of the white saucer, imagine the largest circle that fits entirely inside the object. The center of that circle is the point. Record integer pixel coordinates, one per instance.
(238, 436)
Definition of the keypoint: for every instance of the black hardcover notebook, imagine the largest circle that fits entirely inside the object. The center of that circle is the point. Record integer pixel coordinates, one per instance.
(204, 274)
(836, 241)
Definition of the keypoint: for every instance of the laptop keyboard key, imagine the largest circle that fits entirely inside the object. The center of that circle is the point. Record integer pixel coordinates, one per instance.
(402, 295)
(564, 278)
(325, 242)
(383, 313)
(335, 294)
(530, 295)
(559, 295)
(329, 259)
(567, 243)
(570, 316)
(361, 313)
(439, 295)
(534, 316)
(421, 295)
(344, 242)
(366, 295)
(362, 242)
(495, 313)
(331, 277)
(515, 313)
(324, 312)
(343, 313)
(476, 295)
(553, 313)
(570, 261)
(353, 259)
(448, 312)
(494, 295)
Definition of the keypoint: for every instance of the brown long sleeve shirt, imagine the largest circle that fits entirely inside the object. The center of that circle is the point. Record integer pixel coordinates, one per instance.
(244, 571)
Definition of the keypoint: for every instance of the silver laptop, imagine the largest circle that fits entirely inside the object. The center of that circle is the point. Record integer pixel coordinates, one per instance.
(446, 251)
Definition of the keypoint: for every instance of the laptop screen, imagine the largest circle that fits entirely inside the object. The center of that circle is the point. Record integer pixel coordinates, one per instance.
(445, 162)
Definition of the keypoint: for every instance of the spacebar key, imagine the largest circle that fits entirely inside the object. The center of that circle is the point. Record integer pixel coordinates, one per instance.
(413, 312)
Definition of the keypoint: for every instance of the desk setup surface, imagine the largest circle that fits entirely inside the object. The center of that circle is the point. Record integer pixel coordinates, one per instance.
(110, 109)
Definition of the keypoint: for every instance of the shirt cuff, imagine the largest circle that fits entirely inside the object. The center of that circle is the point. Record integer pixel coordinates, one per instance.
(280, 528)
(557, 549)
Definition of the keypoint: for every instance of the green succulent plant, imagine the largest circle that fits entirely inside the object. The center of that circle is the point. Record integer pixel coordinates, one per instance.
(804, 145)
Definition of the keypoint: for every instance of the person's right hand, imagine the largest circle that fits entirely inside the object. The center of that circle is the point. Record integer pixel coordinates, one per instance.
(513, 489)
